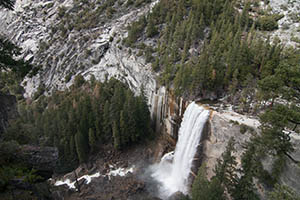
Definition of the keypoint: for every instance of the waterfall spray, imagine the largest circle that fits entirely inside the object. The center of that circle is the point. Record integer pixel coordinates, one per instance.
(173, 173)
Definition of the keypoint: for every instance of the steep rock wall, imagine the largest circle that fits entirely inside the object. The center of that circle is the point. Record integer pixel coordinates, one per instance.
(223, 126)
(95, 51)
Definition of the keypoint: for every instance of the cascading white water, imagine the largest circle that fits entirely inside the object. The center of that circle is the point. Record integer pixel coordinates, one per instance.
(173, 175)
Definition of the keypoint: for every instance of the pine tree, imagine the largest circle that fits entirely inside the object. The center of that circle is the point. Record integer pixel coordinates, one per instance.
(244, 187)
(280, 117)
(73, 154)
(124, 127)
(143, 118)
(226, 167)
(81, 147)
(283, 192)
(106, 120)
(204, 189)
(116, 136)
(92, 140)
(151, 30)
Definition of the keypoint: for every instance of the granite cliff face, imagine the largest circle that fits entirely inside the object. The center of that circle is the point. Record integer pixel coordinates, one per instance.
(61, 53)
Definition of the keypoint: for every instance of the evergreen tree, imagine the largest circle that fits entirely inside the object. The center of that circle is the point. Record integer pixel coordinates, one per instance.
(124, 127)
(226, 168)
(280, 119)
(204, 189)
(116, 136)
(151, 30)
(73, 154)
(282, 192)
(244, 187)
(81, 147)
(92, 140)
(106, 120)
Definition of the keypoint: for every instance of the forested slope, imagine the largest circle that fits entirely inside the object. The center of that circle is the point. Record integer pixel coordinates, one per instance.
(213, 49)
(199, 49)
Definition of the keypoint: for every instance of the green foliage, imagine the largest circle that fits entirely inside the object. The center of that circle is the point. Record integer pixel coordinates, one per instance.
(7, 152)
(244, 128)
(283, 192)
(81, 147)
(244, 187)
(229, 179)
(204, 189)
(79, 81)
(281, 118)
(8, 53)
(92, 140)
(9, 173)
(208, 47)
(61, 11)
(225, 168)
(151, 30)
(78, 121)
(116, 136)
(40, 91)
(135, 31)
(267, 23)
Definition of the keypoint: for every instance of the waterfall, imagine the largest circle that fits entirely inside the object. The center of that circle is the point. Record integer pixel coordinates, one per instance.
(173, 171)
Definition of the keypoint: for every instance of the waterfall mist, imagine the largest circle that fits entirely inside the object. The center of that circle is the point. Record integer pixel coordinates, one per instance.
(174, 168)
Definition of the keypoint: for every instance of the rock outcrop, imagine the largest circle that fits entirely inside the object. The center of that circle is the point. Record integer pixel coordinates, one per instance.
(8, 110)
(226, 124)
(42, 159)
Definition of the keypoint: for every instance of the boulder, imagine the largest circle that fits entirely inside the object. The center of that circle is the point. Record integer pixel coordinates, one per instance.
(177, 196)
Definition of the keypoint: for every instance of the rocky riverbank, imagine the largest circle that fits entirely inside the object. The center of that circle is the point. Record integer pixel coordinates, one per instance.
(112, 174)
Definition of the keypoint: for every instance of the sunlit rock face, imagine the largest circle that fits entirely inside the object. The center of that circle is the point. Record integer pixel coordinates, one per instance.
(225, 124)
(61, 52)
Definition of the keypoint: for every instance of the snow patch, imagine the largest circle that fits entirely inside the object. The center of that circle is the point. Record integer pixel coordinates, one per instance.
(88, 178)
(242, 119)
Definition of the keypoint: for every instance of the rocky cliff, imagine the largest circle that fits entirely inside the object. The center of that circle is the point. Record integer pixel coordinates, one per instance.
(60, 52)
(42, 159)
(223, 124)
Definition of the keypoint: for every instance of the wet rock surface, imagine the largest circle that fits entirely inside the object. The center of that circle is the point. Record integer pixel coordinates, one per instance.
(177, 196)
(132, 186)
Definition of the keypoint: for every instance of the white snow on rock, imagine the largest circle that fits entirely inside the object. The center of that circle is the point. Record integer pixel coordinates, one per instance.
(230, 115)
(88, 178)
(120, 172)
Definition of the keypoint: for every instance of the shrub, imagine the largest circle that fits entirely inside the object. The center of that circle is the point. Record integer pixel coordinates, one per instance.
(267, 23)
(79, 81)
(243, 128)
(62, 11)
(68, 77)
